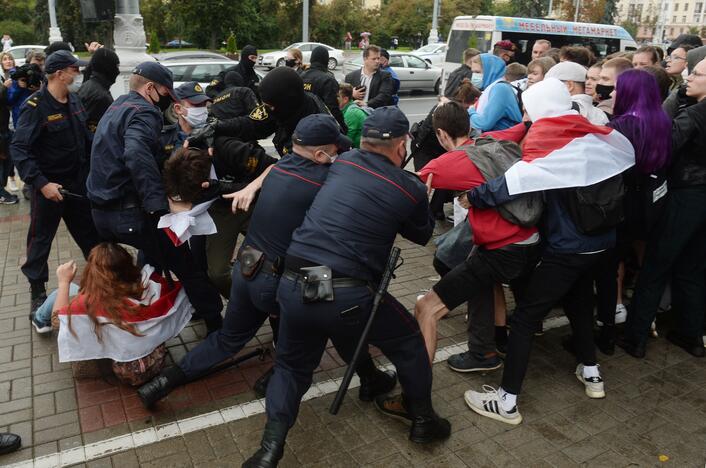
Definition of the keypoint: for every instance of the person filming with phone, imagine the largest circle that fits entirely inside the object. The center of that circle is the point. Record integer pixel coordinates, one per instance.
(372, 87)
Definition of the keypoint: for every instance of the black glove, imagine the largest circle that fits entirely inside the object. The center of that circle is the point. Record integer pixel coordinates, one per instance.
(216, 188)
(203, 137)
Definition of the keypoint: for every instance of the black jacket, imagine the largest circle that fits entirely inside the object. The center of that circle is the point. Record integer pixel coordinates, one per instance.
(261, 123)
(455, 78)
(250, 78)
(96, 98)
(318, 80)
(233, 102)
(689, 147)
(381, 87)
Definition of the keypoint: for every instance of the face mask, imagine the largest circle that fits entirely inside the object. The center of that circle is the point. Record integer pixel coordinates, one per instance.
(604, 91)
(332, 159)
(477, 80)
(163, 102)
(291, 63)
(76, 83)
(196, 116)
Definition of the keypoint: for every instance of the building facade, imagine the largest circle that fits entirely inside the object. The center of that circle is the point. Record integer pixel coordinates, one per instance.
(668, 17)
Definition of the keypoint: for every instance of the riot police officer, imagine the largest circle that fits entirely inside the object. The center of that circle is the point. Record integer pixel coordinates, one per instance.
(320, 81)
(235, 100)
(50, 149)
(334, 257)
(287, 192)
(125, 185)
(284, 104)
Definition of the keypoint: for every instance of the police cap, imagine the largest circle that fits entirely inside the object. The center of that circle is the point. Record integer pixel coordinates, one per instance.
(156, 72)
(61, 60)
(319, 130)
(386, 123)
(191, 92)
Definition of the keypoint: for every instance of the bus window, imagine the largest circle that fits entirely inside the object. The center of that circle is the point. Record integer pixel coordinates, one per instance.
(461, 40)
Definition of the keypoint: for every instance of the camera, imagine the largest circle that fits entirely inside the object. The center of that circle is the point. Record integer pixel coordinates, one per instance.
(30, 72)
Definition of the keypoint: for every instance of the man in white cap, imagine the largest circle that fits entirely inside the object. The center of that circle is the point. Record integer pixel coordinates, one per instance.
(573, 76)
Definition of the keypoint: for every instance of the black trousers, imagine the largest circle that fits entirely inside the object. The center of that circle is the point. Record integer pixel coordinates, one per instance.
(474, 280)
(605, 275)
(45, 216)
(134, 227)
(565, 279)
(676, 250)
(305, 329)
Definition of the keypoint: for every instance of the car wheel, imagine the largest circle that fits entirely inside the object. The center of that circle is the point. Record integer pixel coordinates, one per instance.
(280, 62)
(437, 86)
(332, 63)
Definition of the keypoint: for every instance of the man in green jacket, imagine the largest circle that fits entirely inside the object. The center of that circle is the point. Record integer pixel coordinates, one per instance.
(352, 114)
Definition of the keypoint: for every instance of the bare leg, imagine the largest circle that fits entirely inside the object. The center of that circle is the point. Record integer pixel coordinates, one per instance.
(428, 311)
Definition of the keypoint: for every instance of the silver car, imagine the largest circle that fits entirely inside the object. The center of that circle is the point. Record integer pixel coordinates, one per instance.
(414, 73)
(204, 71)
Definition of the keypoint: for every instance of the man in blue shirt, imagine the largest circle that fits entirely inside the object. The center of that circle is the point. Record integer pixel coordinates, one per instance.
(385, 66)
(345, 238)
(125, 184)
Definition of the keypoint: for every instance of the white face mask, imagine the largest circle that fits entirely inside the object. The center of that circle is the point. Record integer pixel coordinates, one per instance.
(332, 159)
(76, 83)
(196, 116)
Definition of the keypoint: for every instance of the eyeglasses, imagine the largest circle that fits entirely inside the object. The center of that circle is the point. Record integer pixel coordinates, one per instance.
(697, 74)
(674, 57)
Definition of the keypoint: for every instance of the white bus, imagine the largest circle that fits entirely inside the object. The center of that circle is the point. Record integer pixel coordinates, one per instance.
(481, 32)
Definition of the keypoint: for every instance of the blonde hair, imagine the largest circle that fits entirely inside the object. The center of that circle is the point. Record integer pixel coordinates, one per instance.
(7, 54)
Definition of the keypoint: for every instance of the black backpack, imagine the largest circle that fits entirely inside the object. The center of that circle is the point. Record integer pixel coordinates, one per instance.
(597, 208)
(518, 95)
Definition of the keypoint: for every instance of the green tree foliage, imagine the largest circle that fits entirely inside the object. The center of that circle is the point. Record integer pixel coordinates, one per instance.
(21, 33)
(631, 27)
(529, 8)
(154, 47)
(231, 46)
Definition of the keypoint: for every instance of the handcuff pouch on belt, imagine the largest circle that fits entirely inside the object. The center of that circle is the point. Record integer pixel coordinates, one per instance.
(317, 284)
(251, 261)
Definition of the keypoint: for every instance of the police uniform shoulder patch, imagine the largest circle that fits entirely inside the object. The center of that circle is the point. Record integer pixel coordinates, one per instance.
(55, 117)
(214, 83)
(198, 88)
(33, 101)
(259, 113)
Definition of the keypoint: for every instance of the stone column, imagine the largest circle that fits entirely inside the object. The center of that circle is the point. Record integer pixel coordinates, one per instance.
(54, 31)
(130, 42)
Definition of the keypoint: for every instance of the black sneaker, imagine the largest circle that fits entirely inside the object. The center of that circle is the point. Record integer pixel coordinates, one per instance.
(36, 303)
(9, 199)
(393, 407)
(470, 362)
(41, 327)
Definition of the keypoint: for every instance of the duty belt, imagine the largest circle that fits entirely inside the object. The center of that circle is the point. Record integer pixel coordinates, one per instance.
(337, 282)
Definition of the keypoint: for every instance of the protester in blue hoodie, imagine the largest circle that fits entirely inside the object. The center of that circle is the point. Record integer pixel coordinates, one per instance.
(498, 107)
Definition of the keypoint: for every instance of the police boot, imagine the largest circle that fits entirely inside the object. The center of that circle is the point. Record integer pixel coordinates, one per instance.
(260, 386)
(271, 446)
(427, 426)
(159, 387)
(376, 383)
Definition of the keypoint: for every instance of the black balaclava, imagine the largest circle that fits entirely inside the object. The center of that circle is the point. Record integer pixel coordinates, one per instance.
(247, 50)
(319, 55)
(233, 78)
(282, 88)
(105, 62)
(55, 46)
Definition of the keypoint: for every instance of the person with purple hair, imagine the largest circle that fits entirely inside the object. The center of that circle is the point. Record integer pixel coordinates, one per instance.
(638, 115)
(676, 248)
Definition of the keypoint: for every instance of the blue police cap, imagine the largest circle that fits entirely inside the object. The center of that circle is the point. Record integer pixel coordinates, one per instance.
(156, 72)
(319, 130)
(192, 92)
(61, 60)
(385, 123)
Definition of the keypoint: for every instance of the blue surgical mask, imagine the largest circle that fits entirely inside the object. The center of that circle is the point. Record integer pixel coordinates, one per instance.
(477, 80)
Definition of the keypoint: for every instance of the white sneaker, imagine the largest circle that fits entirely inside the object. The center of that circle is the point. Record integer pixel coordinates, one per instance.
(621, 314)
(489, 404)
(653, 330)
(594, 385)
(11, 185)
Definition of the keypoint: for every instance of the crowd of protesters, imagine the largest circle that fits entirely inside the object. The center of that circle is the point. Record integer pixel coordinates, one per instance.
(574, 179)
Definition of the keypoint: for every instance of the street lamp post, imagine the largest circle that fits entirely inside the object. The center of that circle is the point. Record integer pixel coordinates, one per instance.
(434, 33)
(305, 21)
(54, 31)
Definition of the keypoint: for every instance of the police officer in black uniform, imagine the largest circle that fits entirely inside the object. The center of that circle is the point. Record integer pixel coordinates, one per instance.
(50, 149)
(287, 192)
(235, 100)
(100, 74)
(320, 81)
(334, 257)
(125, 185)
(284, 104)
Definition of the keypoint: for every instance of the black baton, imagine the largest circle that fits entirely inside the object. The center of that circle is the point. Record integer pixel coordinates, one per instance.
(363, 341)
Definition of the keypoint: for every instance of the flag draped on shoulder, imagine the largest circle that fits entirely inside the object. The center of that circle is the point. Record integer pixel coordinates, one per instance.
(160, 315)
(568, 151)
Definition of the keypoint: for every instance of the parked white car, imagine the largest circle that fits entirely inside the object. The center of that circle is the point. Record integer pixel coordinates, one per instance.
(435, 54)
(271, 60)
(413, 72)
(203, 71)
(19, 52)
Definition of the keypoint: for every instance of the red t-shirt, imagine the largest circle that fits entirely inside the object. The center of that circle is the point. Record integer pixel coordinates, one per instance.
(455, 171)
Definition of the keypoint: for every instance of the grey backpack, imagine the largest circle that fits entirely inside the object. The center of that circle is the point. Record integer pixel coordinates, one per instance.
(493, 158)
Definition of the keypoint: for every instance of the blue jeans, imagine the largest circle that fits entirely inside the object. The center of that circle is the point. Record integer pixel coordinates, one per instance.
(43, 313)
